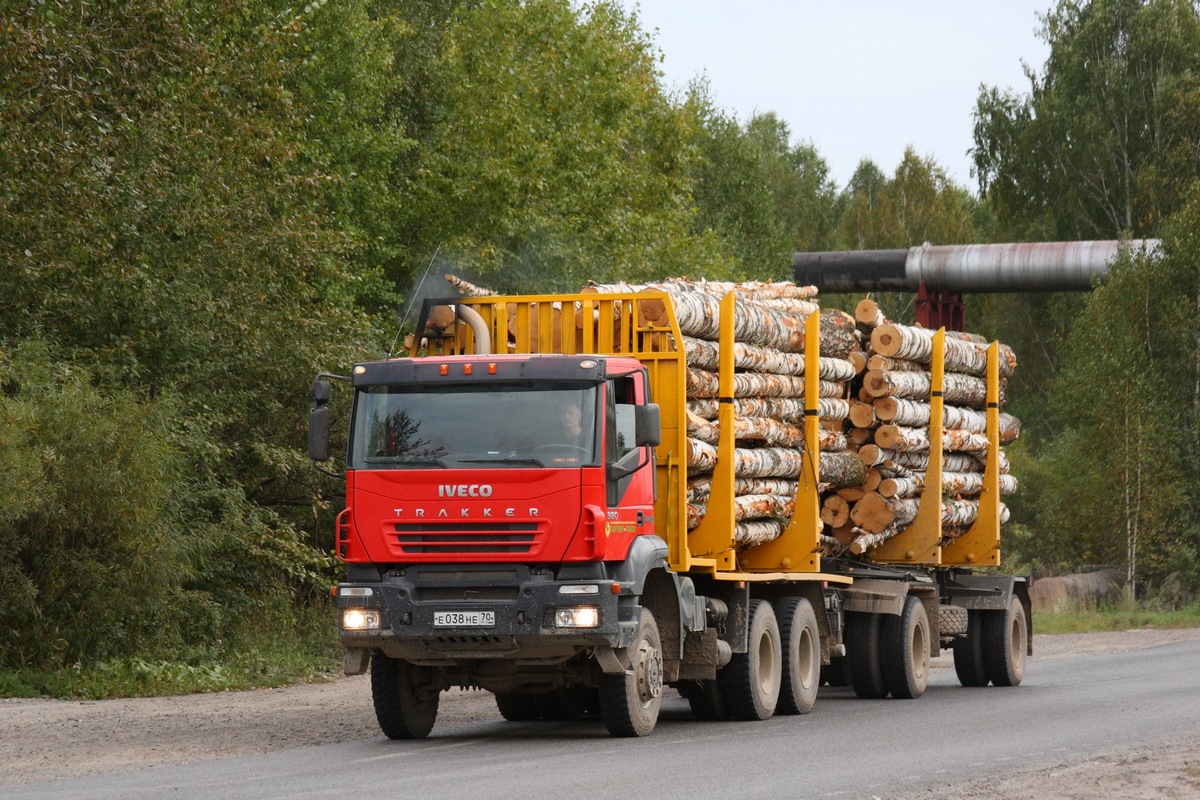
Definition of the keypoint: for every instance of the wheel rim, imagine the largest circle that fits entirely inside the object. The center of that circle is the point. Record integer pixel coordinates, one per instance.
(919, 652)
(805, 661)
(1017, 643)
(768, 650)
(649, 673)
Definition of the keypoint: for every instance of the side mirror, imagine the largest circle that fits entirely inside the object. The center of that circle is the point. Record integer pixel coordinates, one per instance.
(318, 433)
(319, 393)
(648, 422)
(318, 421)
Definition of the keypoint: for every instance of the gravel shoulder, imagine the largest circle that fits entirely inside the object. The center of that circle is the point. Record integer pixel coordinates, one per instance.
(43, 739)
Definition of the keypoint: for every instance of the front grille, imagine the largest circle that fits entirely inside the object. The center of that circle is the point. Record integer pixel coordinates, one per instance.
(426, 538)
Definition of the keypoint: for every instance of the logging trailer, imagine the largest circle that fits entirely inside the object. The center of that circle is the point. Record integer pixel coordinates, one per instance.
(487, 547)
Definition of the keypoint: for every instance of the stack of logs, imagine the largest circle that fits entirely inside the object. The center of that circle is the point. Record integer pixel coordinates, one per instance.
(874, 409)
(768, 395)
(889, 423)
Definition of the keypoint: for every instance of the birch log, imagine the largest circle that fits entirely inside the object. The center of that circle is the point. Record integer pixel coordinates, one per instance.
(703, 383)
(970, 484)
(756, 532)
(767, 430)
(706, 354)
(885, 364)
(915, 414)
(468, 289)
(873, 455)
(835, 511)
(915, 440)
(837, 469)
(963, 355)
(789, 409)
(958, 389)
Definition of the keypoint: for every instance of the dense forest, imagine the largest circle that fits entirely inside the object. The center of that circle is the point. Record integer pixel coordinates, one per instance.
(204, 203)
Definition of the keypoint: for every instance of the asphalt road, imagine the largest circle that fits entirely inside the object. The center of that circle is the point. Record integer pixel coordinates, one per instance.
(1067, 708)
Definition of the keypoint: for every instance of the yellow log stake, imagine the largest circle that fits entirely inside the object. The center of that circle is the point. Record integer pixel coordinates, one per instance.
(920, 542)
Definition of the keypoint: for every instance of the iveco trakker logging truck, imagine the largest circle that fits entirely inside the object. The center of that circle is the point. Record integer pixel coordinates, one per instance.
(517, 520)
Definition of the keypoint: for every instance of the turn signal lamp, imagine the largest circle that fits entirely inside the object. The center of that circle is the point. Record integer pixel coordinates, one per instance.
(579, 588)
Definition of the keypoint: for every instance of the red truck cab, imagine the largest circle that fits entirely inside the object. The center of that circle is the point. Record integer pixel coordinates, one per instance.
(499, 520)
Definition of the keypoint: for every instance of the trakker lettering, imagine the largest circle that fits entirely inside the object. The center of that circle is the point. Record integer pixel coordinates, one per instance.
(464, 513)
(465, 490)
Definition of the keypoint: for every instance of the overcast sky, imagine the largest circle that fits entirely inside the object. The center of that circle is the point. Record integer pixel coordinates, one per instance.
(858, 79)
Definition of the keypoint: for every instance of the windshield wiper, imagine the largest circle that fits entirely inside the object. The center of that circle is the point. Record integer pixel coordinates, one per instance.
(406, 462)
(533, 462)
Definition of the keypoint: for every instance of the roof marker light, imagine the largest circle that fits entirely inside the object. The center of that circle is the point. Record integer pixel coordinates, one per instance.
(491, 369)
(445, 370)
(466, 369)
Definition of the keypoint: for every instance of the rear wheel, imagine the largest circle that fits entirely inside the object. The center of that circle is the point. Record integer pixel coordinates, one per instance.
(905, 650)
(1005, 643)
(751, 680)
(630, 703)
(405, 697)
(801, 639)
(968, 653)
(862, 655)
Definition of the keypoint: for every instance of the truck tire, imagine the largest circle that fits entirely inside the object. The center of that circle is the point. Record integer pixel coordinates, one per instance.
(405, 697)
(751, 680)
(518, 707)
(707, 700)
(801, 676)
(1005, 641)
(862, 655)
(968, 653)
(905, 650)
(630, 703)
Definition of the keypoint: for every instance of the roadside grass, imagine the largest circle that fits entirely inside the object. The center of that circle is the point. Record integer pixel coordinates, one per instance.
(1120, 616)
(306, 654)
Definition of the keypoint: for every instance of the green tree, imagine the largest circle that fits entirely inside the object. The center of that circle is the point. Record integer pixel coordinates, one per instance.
(1112, 486)
(162, 223)
(555, 157)
(917, 204)
(1106, 139)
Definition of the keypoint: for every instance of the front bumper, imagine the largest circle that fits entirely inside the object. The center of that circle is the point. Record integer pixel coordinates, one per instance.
(524, 602)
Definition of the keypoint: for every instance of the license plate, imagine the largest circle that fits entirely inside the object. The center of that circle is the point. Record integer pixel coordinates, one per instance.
(464, 619)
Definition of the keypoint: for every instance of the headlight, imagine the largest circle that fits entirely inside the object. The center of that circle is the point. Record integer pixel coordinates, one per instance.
(577, 617)
(360, 619)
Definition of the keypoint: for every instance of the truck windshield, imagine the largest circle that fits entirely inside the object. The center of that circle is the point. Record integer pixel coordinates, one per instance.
(483, 426)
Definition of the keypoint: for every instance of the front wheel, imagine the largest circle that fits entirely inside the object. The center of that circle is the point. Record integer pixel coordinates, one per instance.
(630, 703)
(405, 697)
